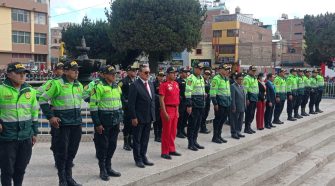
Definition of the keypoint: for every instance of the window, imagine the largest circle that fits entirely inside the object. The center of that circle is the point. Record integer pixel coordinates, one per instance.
(260, 36)
(23, 56)
(232, 33)
(41, 1)
(40, 18)
(20, 15)
(40, 58)
(227, 49)
(198, 51)
(40, 39)
(217, 33)
(21, 37)
(298, 33)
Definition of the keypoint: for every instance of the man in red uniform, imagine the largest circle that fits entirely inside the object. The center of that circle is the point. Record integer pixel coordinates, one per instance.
(169, 101)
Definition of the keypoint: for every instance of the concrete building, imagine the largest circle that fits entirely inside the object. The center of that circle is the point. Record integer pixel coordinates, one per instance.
(56, 37)
(292, 30)
(241, 39)
(279, 48)
(24, 28)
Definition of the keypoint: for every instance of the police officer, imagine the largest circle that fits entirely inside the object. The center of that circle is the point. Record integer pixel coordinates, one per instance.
(169, 101)
(300, 94)
(314, 89)
(251, 88)
(107, 114)
(58, 72)
(320, 83)
(18, 124)
(66, 96)
(124, 84)
(207, 76)
(158, 123)
(195, 103)
(280, 85)
(292, 92)
(306, 79)
(221, 98)
(183, 116)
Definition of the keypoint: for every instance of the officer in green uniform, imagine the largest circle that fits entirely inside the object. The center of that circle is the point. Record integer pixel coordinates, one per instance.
(58, 73)
(18, 124)
(107, 114)
(292, 92)
(125, 84)
(251, 88)
(66, 96)
(306, 79)
(300, 94)
(207, 79)
(158, 123)
(89, 87)
(221, 98)
(280, 85)
(314, 89)
(195, 104)
(321, 84)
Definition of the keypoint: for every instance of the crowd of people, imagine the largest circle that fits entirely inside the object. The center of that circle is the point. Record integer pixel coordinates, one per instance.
(177, 107)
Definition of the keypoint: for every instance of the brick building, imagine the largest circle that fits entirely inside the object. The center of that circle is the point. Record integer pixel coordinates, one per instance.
(24, 28)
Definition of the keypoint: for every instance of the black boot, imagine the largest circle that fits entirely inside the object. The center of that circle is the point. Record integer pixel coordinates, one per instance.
(303, 112)
(126, 145)
(216, 138)
(62, 178)
(110, 171)
(69, 178)
(103, 172)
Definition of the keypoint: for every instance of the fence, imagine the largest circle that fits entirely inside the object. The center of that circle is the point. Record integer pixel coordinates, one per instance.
(329, 90)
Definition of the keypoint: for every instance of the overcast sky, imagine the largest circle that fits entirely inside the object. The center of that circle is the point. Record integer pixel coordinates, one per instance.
(267, 11)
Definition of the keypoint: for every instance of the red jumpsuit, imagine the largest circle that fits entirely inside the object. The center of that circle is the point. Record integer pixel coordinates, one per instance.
(170, 91)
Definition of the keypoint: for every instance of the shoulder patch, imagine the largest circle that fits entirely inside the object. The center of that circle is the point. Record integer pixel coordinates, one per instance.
(86, 87)
(189, 82)
(48, 87)
(28, 95)
(120, 84)
(93, 92)
(213, 83)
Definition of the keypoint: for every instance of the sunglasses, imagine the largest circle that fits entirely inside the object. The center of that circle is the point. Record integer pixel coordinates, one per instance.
(146, 73)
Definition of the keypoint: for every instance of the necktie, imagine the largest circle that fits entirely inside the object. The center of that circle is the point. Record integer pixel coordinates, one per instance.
(148, 88)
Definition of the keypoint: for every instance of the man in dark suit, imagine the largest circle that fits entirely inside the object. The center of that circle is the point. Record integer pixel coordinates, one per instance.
(142, 111)
(270, 101)
(238, 107)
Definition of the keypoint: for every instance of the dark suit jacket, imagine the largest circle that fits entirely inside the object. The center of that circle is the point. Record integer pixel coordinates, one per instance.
(238, 100)
(262, 92)
(141, 105)
(270, 93)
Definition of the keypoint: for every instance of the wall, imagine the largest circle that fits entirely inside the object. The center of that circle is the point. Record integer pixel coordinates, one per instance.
(5, 29)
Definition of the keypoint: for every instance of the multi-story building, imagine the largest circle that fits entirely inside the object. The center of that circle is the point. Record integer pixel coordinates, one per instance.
(56, 39)
(241, 39)
(24, 28)
(209, 3)
(292, 30)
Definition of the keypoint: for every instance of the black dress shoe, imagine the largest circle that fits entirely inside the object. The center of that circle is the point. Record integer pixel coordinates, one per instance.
(222, 140)
(166, 156)
(148, 163)
(235, 136)
(113, 173)
(252, 131)
(241, 135)
(158, 139)
(291, 119)
(305, 114)
(312, 112)
(248, 132)
(175, 154)
(180, 135)
(192, 148)
(319, 111)
(277, 122)
(216, 140)
(268, 127)
(205, 131)
(140, 164)
(196, 144)
(260, 129)
(272, 126)
(298, 116)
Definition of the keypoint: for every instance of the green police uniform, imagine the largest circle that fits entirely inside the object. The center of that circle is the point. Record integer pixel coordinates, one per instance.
(292, 90)
(321, 84)
(18, 118)
(313, 96)
(106, 110)
(306, 95)
(66, 99)
(221, 97)
(251, 88)
(280, 85)
(300, 94)
(89, 87)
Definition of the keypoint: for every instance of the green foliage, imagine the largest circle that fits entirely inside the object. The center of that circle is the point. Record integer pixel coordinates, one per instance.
(157, 27)
(319, 38)
(97, 38)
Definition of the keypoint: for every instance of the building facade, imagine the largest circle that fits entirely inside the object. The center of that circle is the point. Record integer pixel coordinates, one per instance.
(241, 39)
(24, 28)
(56, 40)
(292, 30)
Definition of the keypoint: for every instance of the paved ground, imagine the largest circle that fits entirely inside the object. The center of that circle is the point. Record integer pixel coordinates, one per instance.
(42, 172)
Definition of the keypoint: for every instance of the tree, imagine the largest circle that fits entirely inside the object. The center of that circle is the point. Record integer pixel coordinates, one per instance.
(319, 38)
(156, 27)
(97, 38)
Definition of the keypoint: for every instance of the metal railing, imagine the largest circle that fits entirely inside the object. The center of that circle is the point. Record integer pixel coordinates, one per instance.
(329, 90)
